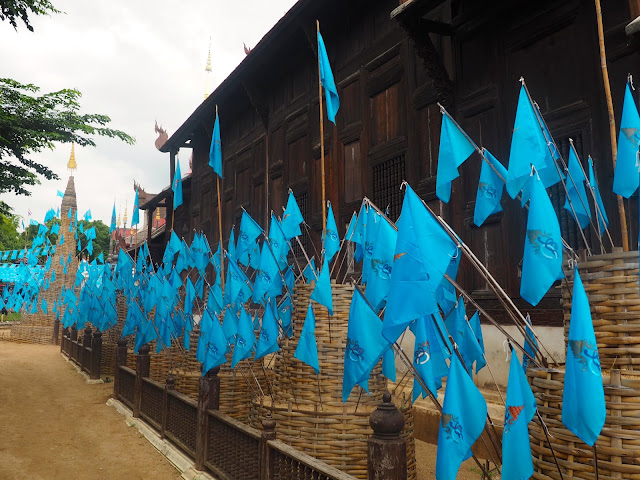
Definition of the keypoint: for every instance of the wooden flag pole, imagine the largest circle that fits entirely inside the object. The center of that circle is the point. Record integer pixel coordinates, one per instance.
(220, 221)
(612, 123)
(324, 214)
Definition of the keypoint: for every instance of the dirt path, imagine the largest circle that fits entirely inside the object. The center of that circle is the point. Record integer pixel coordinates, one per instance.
(55, 426)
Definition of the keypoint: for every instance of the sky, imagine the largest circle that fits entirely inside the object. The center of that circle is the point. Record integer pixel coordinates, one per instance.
(137, 62)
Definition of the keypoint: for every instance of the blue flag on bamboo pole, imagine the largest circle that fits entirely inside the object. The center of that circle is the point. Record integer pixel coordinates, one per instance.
(380, 263)
(529, 147)
(519, 410)
(626, 177)
(455, 148)
(542, 262)
(365, 345)
(577, 195)
(331, 240)
(249, 231)
(464, 336)
(291, 218)
(245, 338)
(215, 152)
(268, 339)
(326, 78)
(422, 254)
(430, 352)
(177, 185)
(307, 349)
(601, 214)
(464, 413)
(113, 219)
(135, 218)
(216, 345)
(583, 404)
(490, 188)
(322, 291)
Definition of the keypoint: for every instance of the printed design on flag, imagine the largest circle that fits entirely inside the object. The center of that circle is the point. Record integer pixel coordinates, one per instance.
(334, 236)
(285, 308)
(368, 249)
(266, 278)
(422, 354)
(175, 183)
(487, 190)
(511, 416)
(264, 335)
(275, 245)
(382, 268)
(233, 275)
(451, 426)
(354, 350)
(633, 135)
(399, 255)
(240, 342)
(586, 354)
(241, 296)
(244, 237)
(543, 243)
(213, 350)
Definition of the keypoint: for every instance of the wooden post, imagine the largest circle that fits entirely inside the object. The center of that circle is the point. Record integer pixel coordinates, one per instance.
(222, 278)
(170, 384)
(63, 344)
(387, 449)
(121, 360)
(96, 355)
(324, 200)
(143, 365)
(85, 360)
(265, 453)
(72, 346)
(208, 398)
(612, 123)
(56, 332)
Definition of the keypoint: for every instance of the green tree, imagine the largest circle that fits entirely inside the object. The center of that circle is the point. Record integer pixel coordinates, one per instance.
(31, 122)
(10, 239)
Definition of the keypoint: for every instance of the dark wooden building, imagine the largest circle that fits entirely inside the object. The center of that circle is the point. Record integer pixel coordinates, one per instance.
(392, 64)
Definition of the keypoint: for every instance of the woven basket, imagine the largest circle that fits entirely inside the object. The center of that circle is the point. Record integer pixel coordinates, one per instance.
(611, 283)
(618, 445)
(308, 408)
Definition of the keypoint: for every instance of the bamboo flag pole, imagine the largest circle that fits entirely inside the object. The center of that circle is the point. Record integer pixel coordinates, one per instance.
(324, 214)
(612, 123)
(220, 222)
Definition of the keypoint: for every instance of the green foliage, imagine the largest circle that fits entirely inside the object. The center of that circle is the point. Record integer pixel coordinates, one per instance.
(30, 122)
(10, 239)
(14, 10)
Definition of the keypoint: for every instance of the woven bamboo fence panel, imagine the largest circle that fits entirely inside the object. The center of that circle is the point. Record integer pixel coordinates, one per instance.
(618, 445)
(308, 408)
(611, 283)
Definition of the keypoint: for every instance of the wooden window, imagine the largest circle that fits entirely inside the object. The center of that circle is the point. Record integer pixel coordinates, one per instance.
(385, 115)
(350, 104)
(352, 172)
(276, 146)
(387, 178)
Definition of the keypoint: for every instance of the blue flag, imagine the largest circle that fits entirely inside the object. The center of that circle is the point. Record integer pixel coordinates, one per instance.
(530, 345)
(429, 355)
(542, 262)
(576, 191)
(455, 148)
(177, 186)
(490, 188)
(268, 281)
(249, 231)
(278, 242)
(268, 339)
(331, 240)
(326, 78)
(381, 263)
(583, 405)
(245, 338)
(135, 218)
(292, 218)
(113, 219)
(365, 345)
(60, 194)
(520, 409)
(529, 147)
(601, 214)
(307, 349)
(310, 272)
(215, 152)
(284, 314)
(464, 413)
(626, 177)
(464, 336)
(422, 255)
(322, 291)
(206, 324)
(87, 215)
(216, 345)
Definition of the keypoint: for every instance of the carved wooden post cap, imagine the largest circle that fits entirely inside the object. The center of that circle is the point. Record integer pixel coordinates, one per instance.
(269, 424)
(386, 421)
(144, 349)
(122, 343)
(97, 334)
(170, 382)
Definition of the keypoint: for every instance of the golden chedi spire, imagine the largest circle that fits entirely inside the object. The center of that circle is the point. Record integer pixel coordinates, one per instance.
(208, 70)
(157, 217)
(119, 216)
(71, 164)
(124, 225)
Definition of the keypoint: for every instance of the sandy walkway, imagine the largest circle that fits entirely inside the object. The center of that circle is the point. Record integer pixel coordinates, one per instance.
(55, 426)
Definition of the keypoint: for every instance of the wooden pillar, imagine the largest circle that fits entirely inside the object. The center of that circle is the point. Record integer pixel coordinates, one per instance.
(85, 361)
(634, 9)
(56, 332)
(150, 212)
(265, 453)
(63, 344)
(170, 384)
(169, 200)
(387, 449)
(208, 398)
(96, 355)
(72, 339)
(143, 366)
(121, 360)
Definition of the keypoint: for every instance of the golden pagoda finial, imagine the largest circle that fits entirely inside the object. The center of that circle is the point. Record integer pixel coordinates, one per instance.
(72, 165)
(124, 225)
(119, 216)
(207, 70)
(157, 217)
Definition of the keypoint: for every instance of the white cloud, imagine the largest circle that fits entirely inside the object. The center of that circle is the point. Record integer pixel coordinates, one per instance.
(136, 62)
